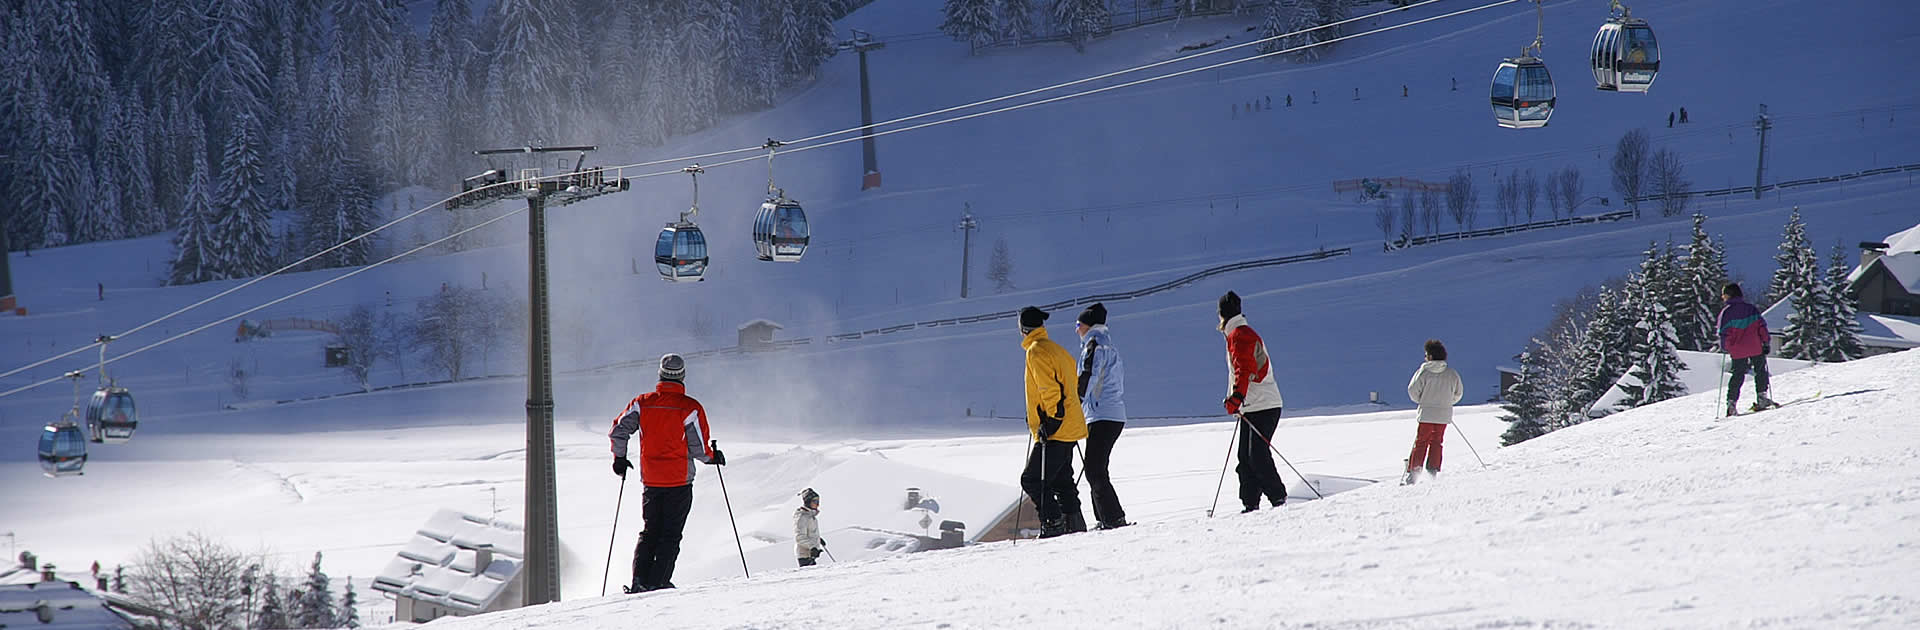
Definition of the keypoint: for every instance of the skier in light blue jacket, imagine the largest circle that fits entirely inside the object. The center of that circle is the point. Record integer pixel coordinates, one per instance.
(1102, 380)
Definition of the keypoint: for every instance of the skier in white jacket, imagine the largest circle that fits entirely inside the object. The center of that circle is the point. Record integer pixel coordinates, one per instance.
(1435, 388)
(806, 528)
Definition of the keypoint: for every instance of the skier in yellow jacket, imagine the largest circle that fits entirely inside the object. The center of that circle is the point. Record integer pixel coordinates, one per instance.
(1057, 424)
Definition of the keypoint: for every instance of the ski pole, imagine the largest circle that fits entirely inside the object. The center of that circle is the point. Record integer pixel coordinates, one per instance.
(1283, 458)
(1470, 448)
(1021, 505)
(604, 571)
(1232, 437)
(715, 446)
(1723, 387)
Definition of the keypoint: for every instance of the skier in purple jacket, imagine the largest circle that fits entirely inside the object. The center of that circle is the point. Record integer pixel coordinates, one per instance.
(1743, 334)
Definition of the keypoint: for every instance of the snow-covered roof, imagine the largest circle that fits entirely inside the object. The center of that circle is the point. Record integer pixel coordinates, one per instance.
(1702, 370)
(1876, 330)
(762, 322)
(1902, 259)
(70, 607)
(437, 564)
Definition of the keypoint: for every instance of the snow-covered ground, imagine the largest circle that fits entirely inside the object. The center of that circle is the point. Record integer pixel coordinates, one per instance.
(1657, 517)
(1115, 192)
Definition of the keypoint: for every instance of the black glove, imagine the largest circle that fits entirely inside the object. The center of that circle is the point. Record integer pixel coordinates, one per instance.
(1766, 348)
(823, 543)
(620, 466)
(719, 458)
(1048, 424)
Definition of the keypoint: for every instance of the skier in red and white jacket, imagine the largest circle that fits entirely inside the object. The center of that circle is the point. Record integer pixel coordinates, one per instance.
(1254, 399)
(673, 434)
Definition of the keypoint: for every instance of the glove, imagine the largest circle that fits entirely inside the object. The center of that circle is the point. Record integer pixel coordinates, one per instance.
(1232, 403)
(620, 466)
(719, 458)
(1766, 348)
(1048, 425)
(823, 544)
(816, 552)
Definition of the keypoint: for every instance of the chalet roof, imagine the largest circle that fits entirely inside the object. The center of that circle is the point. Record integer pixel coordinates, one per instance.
(437, 564)
(71, 608)
(768, 323)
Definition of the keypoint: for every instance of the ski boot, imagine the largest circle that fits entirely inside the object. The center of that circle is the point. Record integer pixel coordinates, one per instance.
(1733, 407)
(1763, 404)
(1408, 478)
(1076, 522)
(1054, 528)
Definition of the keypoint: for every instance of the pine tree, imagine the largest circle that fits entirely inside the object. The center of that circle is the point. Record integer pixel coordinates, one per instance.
(1790, 265)
(1274, 25)
(1843, 313)
(1656, 363)
(273, 611)
(1809, 327)
(349, 615)
(1081, 19)
(970, 20)
(314, 607)
(1527, 407)
(76, 84)
(233, 81)
(1000, 267)
(450, 56)
(1703, 275)
(1015, 19)
(194, 256)
(531, 80)
(119, 579)
(243, 231)
(1601, 357)
(126, 155)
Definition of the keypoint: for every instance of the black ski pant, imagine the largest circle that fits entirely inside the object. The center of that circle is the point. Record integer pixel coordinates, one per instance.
(1256, 472)
(663, 512)
(1757, 365)
(1048, 480)
(1100, 438)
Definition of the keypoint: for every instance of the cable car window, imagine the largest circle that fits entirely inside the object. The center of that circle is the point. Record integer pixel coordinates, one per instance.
(1641, 47)
(1503, 83)
(663, 248)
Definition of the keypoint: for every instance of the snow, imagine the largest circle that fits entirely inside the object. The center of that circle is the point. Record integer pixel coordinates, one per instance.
(72, 608)
(1117, 192)
(1660, 516)
(1703, 372)
(440, 564)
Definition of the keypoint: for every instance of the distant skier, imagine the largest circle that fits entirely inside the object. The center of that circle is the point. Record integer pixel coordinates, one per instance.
(806, 528)
(1743, 334)
(1254, 399)
(1102, 382)
(1669, 120)
(1054, 417)
(670, 440)
(1683, 115)
(1435, 388)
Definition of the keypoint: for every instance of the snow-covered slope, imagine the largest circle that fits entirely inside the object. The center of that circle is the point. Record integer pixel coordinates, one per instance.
(1660, 516)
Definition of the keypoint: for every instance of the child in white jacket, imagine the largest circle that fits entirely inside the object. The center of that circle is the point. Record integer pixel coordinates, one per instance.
(1435, 388)
(806, 528)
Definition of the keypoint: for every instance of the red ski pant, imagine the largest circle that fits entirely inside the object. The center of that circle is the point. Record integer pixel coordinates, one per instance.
(1426, 446)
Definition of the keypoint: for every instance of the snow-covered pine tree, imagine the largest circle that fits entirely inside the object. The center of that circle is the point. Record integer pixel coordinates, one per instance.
(233, 81)
(697, 86)
(1809, 328)
(139, 211)
(1702, 276)
(314, 608)
(971, 21)
(1791, 264)
(47, 187)
(70, 65)
(1843, 310)
(1656, 364)
(242, 235)
(729, 55)
(1000, 266)
(96, 217)
(1527, 407)
(1274, 25)
(1601, 357)
(194, 258)
(273, 609)
(530, 83)
(1015, 19)
(450, 52)
(349, 615)
(1081, 20)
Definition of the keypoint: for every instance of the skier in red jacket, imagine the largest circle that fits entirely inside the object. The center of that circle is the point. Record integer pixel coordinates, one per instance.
(1254, 399)
(670, 440)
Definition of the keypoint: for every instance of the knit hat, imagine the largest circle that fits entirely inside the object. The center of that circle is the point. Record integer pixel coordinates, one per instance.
(1229, 305)
(808, 497)
(1095, 315)
(1032, 317)
(673, 368)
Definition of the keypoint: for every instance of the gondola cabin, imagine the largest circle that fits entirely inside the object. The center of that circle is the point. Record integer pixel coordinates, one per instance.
(1626, 57)
(63, 450)
(780, 231)
(681, 253)
(1523, 94)
(111, 416)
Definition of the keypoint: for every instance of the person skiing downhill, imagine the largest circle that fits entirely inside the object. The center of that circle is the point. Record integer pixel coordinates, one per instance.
(1435, 388)
(670, 440)
(1102, 380)
(1056, 422)
(806, 528)
(1744, 337)
(1254, 399)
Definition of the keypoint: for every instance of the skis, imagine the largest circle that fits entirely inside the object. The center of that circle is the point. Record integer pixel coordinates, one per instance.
(1777, 405)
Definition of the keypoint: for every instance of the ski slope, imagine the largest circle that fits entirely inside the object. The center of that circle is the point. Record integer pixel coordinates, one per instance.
(1660, 516)
(1116, 191)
